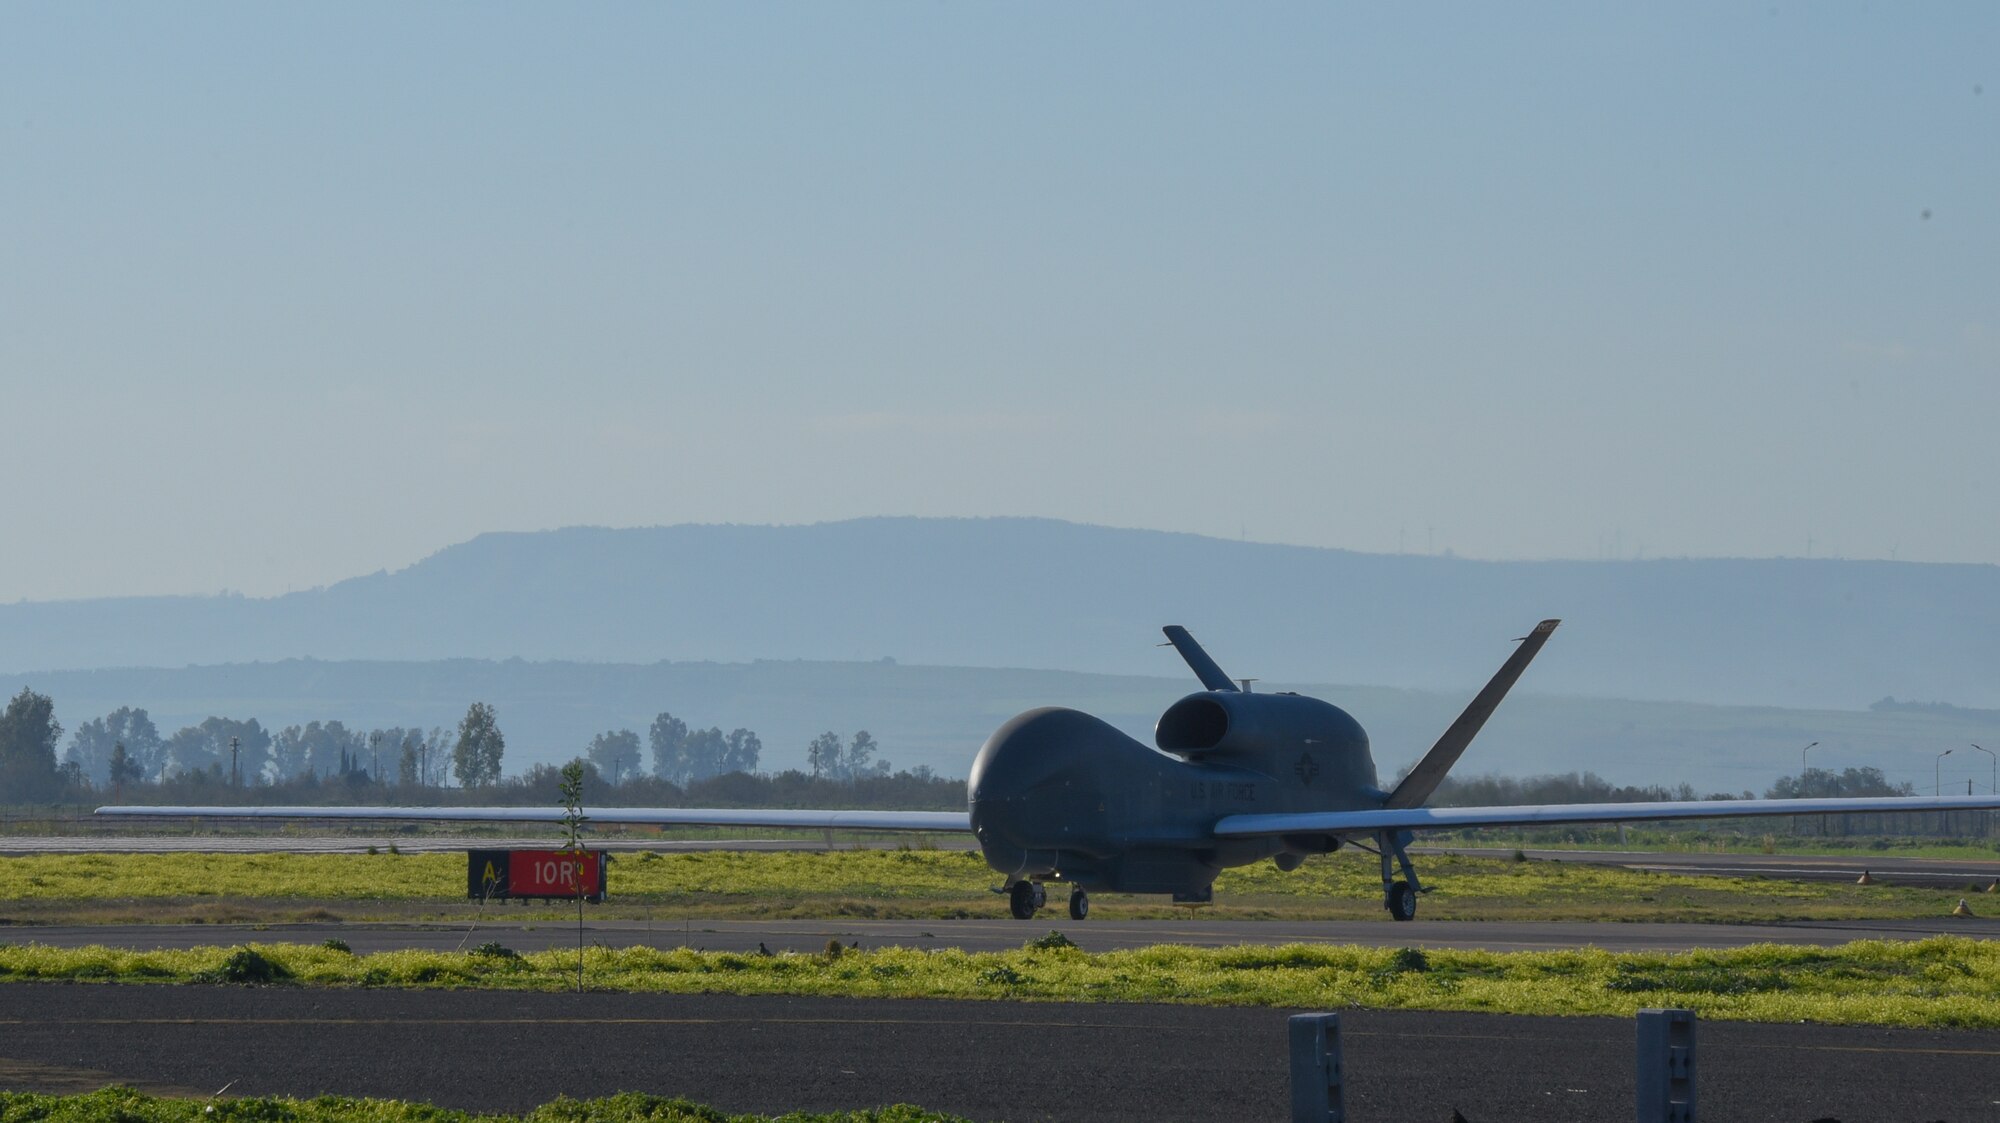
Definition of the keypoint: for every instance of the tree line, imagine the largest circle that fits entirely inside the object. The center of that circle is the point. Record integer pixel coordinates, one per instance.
(124, 751)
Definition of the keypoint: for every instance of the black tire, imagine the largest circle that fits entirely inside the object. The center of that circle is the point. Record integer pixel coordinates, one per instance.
(1401, 901)
(1079, 904)
(1021, 900)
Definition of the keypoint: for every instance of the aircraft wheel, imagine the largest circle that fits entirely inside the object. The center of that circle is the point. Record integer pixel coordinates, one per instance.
(1021, 900)
(1079, 904)
(1401, 901)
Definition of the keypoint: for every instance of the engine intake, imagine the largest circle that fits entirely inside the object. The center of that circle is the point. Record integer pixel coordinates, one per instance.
(1229, 723)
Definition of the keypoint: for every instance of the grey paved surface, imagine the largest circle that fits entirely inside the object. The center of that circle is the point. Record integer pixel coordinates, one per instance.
(988, 1061)
(1932, 872)
(991, 935)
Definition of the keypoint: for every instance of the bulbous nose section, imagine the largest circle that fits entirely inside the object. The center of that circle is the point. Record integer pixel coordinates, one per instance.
(1032, 779)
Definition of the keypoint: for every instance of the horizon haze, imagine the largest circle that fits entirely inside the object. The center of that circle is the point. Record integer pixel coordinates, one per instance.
(297, 293)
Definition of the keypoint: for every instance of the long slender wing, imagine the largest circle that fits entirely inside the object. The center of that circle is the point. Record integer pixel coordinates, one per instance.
(637, 816)
(1441, 818)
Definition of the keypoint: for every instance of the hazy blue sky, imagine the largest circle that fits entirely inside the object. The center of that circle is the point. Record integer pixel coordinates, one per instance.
(290, 293)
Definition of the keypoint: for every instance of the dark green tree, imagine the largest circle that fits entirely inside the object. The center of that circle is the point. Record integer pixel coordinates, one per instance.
(740, 751)
(823, 756)
(704, 751)
(90, 746)
(29, 733)
(475, 759)
(411, 760)
(122, 769)
(861, 758)
(615, 752)
(669, 741)
(1821, 783)
(205, 747)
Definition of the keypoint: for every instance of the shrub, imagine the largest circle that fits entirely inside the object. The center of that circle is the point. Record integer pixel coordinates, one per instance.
(335, 943)
(1409, 959)
(247, 966)
(1053, 941)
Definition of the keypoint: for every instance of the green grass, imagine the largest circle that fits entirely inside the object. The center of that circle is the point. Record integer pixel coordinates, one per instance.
(123, 1105)
(1942, 982)
(894, 884)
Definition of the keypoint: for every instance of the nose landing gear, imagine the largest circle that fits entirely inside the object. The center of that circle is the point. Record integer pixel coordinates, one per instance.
(1401, 901)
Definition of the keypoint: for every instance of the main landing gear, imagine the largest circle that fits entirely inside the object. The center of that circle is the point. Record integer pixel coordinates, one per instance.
(1024, 898)
(1399, 897)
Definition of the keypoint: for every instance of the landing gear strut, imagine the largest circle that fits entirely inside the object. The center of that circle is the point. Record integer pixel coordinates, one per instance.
(1399, 897)
(1024, 898)
(1079, 904)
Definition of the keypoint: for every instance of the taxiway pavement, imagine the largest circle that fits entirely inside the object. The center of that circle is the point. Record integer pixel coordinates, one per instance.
(500, 1051)
(997, 935)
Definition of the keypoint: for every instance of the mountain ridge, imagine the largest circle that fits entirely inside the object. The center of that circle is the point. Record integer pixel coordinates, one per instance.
(1042, 593)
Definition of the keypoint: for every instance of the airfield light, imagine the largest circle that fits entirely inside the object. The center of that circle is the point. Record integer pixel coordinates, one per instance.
(1996, 766)
(1937, 777)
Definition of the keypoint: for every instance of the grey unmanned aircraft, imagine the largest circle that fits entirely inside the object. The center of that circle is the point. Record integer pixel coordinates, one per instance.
(1058, 796)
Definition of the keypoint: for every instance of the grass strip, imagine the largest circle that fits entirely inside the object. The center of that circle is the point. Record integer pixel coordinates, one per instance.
(912, 884)
(1944, 981)
(124, 1105)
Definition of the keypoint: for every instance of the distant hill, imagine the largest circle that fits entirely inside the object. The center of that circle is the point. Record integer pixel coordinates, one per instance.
(939, 716)
(1040, 593)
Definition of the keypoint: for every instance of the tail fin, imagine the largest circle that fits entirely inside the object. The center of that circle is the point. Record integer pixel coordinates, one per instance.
(1204, 668)
(1429, 772)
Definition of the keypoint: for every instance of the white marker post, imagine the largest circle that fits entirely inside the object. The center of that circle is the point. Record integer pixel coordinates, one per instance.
(1666, 1066)
(1317, 1076)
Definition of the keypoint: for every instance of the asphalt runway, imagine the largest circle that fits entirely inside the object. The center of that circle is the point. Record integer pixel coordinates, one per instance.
(494, 1051)
(1938, 873)
(998, 935)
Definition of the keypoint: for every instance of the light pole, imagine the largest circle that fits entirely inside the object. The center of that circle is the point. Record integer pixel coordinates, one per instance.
(375, 757)
(234, 781)
(1937, 773)
(1996, 766)
(1802, 761)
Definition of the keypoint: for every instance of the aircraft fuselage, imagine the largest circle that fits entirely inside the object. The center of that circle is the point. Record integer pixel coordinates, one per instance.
(1058, 795)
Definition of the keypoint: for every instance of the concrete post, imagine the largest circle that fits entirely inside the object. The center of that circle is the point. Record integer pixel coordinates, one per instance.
(1666, 1066)
(1317, 1076)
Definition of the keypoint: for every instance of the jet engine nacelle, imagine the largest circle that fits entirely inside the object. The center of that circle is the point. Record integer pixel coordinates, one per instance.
(1222, 724)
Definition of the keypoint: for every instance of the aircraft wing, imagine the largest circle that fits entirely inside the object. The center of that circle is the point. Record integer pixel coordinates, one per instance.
(1448, 818)
(637, 816)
